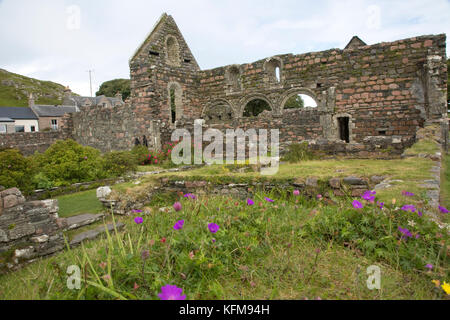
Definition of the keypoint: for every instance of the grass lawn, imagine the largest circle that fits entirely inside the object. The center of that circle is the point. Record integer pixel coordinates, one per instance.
(79, 203)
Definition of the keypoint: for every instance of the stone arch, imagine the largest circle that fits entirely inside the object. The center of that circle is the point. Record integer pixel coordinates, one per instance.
(305, 91)
(172, 51)
(219, 110)
(233, 79)
(271, 65)
(245, 101)
(175, 101)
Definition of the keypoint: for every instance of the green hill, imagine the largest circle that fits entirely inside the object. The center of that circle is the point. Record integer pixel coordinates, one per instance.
(15, 90)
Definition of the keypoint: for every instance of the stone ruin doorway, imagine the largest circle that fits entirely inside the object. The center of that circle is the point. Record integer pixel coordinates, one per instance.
(344, 129)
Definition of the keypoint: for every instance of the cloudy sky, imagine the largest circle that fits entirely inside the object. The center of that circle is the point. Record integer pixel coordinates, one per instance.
(61, 40)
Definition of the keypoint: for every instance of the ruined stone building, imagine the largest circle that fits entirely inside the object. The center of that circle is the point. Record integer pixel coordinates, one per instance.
(369, 99)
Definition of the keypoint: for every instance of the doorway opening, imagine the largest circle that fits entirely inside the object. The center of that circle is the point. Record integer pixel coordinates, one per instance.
(344, 131)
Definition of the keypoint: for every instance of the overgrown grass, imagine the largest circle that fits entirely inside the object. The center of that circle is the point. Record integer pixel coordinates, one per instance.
(425, 146)
(79, 203)
(260, 252)
(445, 182)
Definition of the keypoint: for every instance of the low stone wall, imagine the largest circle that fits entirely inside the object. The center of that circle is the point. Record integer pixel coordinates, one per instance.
(28, 230)
(30, 142)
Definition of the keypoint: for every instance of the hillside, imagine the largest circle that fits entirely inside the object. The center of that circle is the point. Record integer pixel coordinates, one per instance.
(15, 90)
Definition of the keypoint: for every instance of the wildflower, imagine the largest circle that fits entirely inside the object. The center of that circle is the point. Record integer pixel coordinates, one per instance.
(190, 196)
(369, 196)
(136, 286)
(177, 206)
(380, 205)
(429, 266)
(406, 233)
(407, 194)
(446, 288)
(213, 227)
(411, 223)
(319, 197)
(179, 225)
(163, 240)
(191, 255)
(152, 242)
(443, 210)
(269, 200)
(137, 211)
(145, 254)
(106, 277)
(139, 220)
(394, 201)
(170, 292)
(296, 192)
(85, 158)
(250, 202)
(357, 204)
(213, 240)
(419, 213)
(103, 265)
(409, 207)
(437, 283)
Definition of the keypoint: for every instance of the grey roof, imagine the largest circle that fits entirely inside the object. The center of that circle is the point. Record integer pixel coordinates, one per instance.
(53, 111)
(79, 101)
(16, 113)
(6, 120)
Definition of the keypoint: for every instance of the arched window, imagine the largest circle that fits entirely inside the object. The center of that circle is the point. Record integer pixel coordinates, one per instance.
(255, 107)
(173, 51)
(219, 111)
(274, 70)
(175, 101)
(234, 79)
(299, 101)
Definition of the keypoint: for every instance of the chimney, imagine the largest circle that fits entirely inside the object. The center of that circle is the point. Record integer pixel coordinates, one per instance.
(119, 96)
(31, 100)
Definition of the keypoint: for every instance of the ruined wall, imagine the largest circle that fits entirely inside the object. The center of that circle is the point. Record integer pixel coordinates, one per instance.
(28, 230)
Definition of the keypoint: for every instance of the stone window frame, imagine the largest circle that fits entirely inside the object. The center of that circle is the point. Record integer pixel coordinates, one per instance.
(178, 102)
(296, 91)
(351, 125)
(244, 101)
(270, 65)
(231, 86)
(176, 61)
(215, 102)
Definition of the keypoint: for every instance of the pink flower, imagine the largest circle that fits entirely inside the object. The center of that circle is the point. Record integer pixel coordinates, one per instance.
(179, 225)
(170, 292)
(250, 202)
(139, 220)
(213, 227)
(357, 204)
(296, 192)
(177, 206)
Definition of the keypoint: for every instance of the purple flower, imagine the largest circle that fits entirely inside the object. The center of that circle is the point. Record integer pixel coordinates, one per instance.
(406, 233)
(409, 207)
(419, 213)
(177, 206)
(269, 200)
(179, 225)
(190, 196)
(139, 220)
(213, 240)
(429, 266)
(170, 292)
(443, 210)
(250, 202)
(296, 192)
(137, 211)
(369, 196)
(407, 194)
(380, 204)
(357, 205)
(213, 227)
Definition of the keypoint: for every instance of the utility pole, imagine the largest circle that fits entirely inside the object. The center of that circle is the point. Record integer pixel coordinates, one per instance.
(90, 80)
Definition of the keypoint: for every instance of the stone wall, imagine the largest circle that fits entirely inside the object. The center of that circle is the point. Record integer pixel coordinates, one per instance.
(30, 142)
(28, 230)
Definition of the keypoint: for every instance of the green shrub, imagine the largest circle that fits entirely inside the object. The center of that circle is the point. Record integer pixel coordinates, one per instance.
(67, 162)
(117, 163)
(140, 154)
(298, 152)
(15, 170)
(41, 181)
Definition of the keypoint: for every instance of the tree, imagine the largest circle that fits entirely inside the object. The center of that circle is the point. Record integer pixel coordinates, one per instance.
(295, 102)
(112, 87)
(255, 107)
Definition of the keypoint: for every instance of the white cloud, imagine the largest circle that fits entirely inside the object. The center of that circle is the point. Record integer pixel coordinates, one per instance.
(36, 40)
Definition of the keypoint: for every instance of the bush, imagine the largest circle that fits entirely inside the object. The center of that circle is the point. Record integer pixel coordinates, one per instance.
(67, 162)
(298, 152)
(41, 181)
(15, 170)
(140, 154)
(118, 163)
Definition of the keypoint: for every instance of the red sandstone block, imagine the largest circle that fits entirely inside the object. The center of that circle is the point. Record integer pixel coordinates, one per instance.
(349, 90)
(428, 43)
(416, 45)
